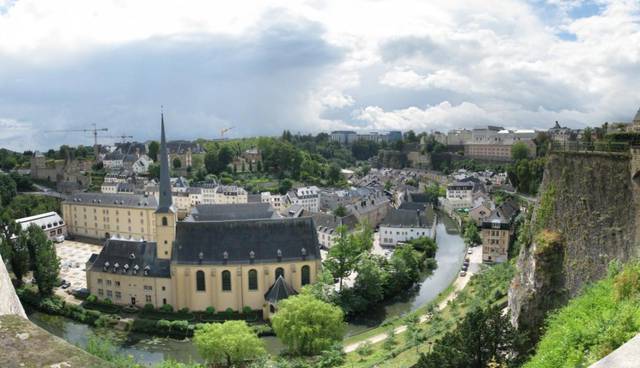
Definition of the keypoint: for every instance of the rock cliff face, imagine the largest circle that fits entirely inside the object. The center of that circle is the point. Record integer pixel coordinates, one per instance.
(587, 216)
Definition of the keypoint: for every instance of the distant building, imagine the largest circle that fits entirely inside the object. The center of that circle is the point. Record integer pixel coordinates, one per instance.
(326, 225)
(494, 143)
(498, 232)
(343, 136)
(562, 134)
(227, 194)
(51, 223)
(277, 201)
(307, 197)
(400, 226)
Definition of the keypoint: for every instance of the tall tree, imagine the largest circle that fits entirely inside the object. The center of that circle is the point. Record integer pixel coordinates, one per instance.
(519, 151)
(471, 234)
(20, 256)
(228, 344)
(154, 147)
(45, 261)
(8, 189)
(307, 325)
(343, 255)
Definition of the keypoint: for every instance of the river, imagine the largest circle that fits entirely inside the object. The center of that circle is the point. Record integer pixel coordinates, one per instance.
(148, 350)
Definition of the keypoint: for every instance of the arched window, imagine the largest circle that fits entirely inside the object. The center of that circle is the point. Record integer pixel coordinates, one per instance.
(164, 221)
(305, 275)
(200, 286)
(279, 272)
(226, 281)
(253, 280)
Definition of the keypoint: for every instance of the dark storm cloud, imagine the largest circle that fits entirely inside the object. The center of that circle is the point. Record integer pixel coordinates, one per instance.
(257, 84)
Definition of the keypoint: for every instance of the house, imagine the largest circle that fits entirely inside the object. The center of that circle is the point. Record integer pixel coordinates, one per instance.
(51, 223)
(220, 256)
(327, 224)
(307, 197)
(498, 232)
(481, 211)
(225, 194)
(141, 165)
(370, 209)
(277, 201)
(401, 225)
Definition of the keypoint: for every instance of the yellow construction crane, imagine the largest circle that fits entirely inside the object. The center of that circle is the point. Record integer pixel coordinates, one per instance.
(93, 131)
(224, 130)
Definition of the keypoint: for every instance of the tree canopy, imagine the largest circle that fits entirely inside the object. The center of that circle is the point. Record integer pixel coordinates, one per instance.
(308, 325)
(228, 344)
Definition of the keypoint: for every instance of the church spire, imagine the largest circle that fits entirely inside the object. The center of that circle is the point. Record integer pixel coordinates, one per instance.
(166, 202)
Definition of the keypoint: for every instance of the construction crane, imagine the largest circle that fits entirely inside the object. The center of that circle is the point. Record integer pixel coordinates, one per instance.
(224, 130)
(93, 131)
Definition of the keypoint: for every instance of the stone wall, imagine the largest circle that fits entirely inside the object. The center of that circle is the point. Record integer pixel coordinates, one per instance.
(590, 201)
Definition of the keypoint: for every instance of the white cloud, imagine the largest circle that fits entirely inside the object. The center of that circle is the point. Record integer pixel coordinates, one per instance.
(396, 63)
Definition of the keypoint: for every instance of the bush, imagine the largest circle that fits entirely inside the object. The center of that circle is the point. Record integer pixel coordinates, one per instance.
(163, 324)
(211, 310)
(179, 326)
(228, 312)
(107, 302)
(92, 298)
(247, 309)
(184, 310)
(53, 305)
(148, 307)
(166, 308)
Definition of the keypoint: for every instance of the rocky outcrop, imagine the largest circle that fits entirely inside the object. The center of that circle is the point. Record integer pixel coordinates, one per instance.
(9, 302)
(585, 218)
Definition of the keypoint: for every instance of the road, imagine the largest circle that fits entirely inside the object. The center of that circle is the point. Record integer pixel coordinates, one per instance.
(458, 285)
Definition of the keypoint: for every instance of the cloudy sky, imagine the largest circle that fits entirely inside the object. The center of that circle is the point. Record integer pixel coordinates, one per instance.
(310, 66)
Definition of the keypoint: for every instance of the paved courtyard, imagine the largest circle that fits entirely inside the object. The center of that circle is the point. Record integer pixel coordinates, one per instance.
(73, 258)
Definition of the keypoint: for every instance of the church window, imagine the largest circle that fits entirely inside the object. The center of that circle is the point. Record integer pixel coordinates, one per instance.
(200, 286)
(253, 280)
(226, 281)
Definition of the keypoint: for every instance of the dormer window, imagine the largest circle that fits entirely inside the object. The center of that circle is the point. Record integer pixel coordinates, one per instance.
(147, 269)
(225, 255)
(279, 254)
(252, 255)
(303, 251)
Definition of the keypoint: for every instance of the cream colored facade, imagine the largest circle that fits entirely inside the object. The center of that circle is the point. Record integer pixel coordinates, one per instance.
(99, 220)
(183, 278)
(130, 290)
(230, 195)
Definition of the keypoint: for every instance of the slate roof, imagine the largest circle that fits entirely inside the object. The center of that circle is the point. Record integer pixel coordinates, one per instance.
(327, 221)
(408, 218)
(113, 200)
(227, 212)
(418, 197)
(413, 206)
(278, 291)
(126, 255)
(503, 215)
(270, 240)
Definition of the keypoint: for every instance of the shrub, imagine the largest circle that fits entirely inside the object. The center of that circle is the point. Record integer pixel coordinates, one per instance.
(228, 312)
(211, 310)
(167, 308)
(148, 307)
(107, 302)
(164, 325)
(92, 298)
(52, 305)
(179, 326)
(626, 284)
(247, 309)
(184, 310)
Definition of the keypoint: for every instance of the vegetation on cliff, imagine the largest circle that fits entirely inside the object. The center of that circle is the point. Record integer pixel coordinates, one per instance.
(603, 317)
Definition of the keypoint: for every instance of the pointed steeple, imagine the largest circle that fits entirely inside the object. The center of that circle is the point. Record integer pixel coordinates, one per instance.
(166, 202)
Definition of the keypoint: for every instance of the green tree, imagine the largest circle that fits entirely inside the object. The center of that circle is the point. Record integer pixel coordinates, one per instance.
(20, 255)
(45, 262)
(483, 335)
(432, 192)
(471, 234)
(333, 174)
(154, 171)
(154, 148)
(8, 189)
(284, 186)
(308, 325)
(587, 135)
(371, 282)
(340, 211)
(519, 151)
(343, 255)
(228, 344)
(211, 162)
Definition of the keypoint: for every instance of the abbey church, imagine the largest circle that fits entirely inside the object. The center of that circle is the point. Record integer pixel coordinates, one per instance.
(220, 256)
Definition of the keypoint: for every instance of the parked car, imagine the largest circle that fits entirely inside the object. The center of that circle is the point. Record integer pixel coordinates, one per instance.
(59, 239)
(463, 273)
(80, 293)
(465, 267)
(470, 251)
(65, 285)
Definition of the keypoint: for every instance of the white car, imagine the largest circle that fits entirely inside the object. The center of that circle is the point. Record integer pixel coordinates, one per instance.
(59, 239)
(470, 251)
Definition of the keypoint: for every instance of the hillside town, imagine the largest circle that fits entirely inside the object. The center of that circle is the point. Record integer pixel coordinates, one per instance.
(362, 184)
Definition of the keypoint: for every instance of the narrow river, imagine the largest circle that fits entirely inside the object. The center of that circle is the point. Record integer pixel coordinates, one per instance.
(148, 350)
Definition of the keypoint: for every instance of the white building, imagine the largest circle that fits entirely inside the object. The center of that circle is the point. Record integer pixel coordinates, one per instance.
(208, 192)
(51, 223)
(307, 197)
(141, 165)
(400, 226)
